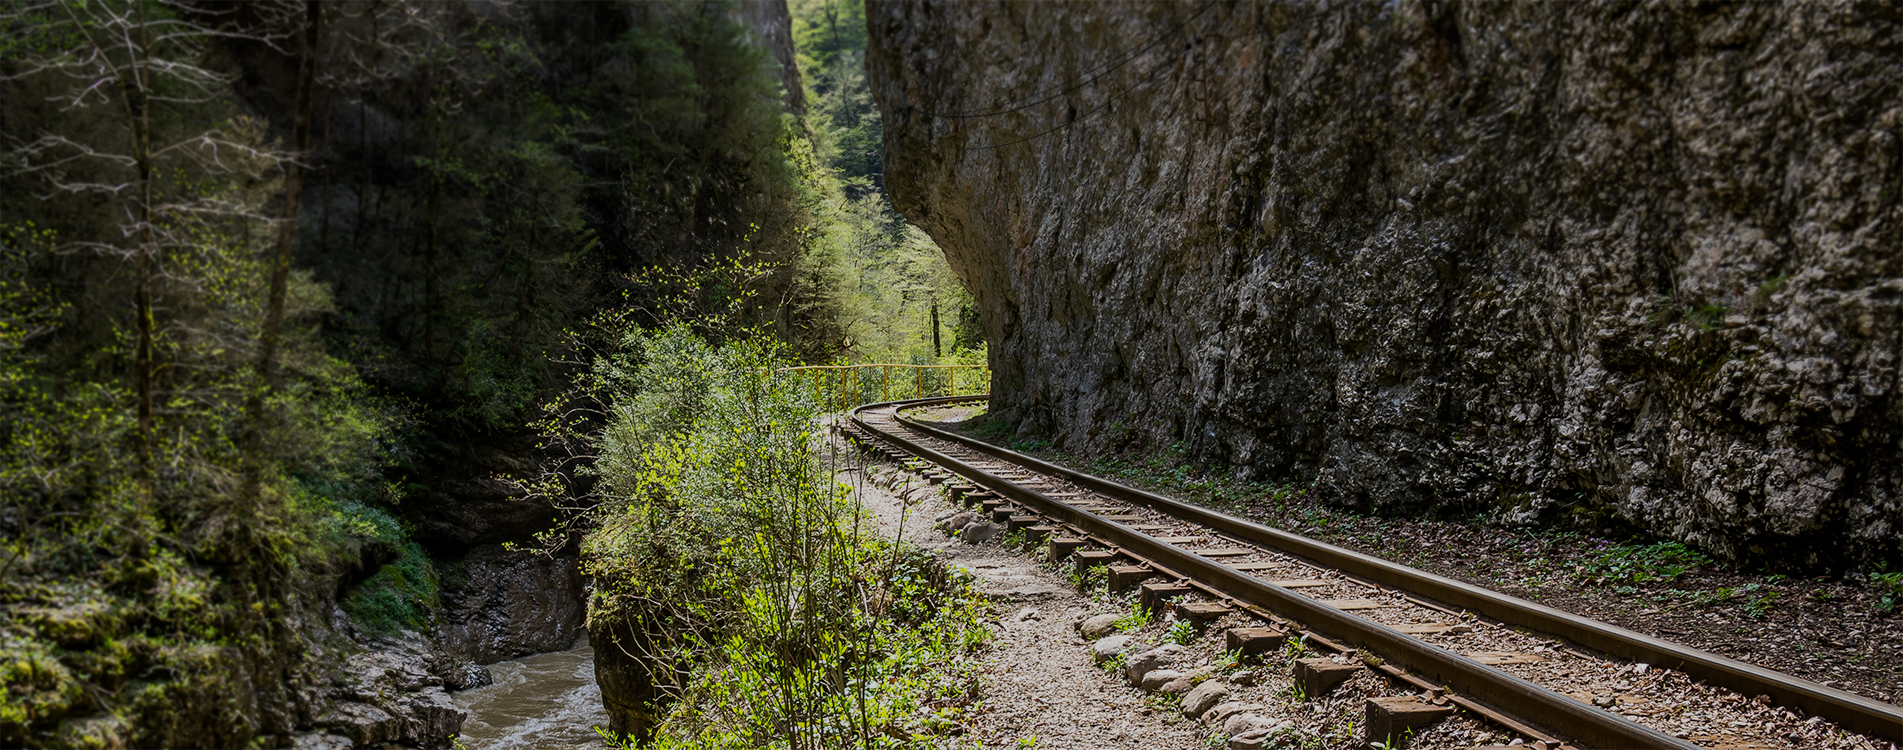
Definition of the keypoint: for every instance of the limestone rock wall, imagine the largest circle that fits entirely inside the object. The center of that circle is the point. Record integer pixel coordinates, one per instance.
(503, 605)
(1610, 260)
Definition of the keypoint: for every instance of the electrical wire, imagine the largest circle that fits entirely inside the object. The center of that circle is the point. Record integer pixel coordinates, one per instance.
(1112, 99)
(1056, 93)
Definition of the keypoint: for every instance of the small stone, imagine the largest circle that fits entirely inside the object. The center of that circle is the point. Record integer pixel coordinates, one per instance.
(1026, 614)
(1245, 678)
(1604, 701)
(956, 520)
(1156, 658)
(979, 531)
(1248, 722)
(1178, 686)
(320, 741)
(1258, 734)
(1157, 678)
(1204, 697)
(1099, 626)
(1256, 740)
(1216, 716)
(1108, 648)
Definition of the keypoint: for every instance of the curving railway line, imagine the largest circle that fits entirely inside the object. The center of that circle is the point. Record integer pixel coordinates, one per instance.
(1532, 669)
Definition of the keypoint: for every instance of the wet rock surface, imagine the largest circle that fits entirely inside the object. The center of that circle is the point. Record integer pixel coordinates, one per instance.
(1582, 260)
(500, 605)
(392, 693)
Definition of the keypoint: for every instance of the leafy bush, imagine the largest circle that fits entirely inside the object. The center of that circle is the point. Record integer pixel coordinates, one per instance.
(400, 594)
(1181, 632)
(1136, 619)
(1889, 588)
(1638, 563)
(770, 611)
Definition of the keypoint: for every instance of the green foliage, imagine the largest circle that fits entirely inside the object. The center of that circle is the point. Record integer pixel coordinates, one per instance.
(1771, 286)
(1638, 563)
(898, 300)
(1889, 588)
(1137, 618)
(401, 594)
(719, 536)
(1181, 632)
(831, 38)
(1759, 606)
(149, 559)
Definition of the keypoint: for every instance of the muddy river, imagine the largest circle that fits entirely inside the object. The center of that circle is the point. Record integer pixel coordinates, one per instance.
(546, 701)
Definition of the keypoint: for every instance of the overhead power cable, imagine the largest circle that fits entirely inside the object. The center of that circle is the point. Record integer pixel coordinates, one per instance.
(1119, 95)
(1062, 90)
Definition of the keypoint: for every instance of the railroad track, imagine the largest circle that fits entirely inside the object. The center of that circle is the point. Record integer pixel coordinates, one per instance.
(1530, 668)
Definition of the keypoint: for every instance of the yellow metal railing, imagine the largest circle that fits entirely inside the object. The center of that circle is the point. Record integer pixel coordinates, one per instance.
(852, 385)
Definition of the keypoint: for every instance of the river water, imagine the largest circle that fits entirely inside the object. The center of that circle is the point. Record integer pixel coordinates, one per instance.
(541, 702)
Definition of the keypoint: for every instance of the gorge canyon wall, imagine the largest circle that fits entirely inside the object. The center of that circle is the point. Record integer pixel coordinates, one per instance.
(1635, 263)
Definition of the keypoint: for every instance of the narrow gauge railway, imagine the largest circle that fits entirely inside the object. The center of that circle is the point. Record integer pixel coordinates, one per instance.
(1530, 668)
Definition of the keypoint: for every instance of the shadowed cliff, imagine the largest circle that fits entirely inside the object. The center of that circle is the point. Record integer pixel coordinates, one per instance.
(1607, 262)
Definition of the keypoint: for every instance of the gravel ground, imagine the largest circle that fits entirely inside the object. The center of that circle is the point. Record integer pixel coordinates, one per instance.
(1044, 689)
(1833, 630)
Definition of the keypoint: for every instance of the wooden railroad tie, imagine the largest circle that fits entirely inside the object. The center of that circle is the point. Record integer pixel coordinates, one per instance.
(1429, 628)
(1063, 546)
(1498, 658)
(1388, 719)
(1250, 642)
(1125, 576)
(1354, 604)
(1202, 613)
(1320, 676)
(1152, 596)
(1090, 558)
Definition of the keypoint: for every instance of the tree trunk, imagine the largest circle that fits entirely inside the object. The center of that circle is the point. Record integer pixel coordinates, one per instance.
(266, 364)
(937, 350)
(135, 97)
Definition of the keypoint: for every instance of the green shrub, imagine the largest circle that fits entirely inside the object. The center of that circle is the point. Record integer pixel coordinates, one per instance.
(1638, 563)
(788, 621)
(400, 594)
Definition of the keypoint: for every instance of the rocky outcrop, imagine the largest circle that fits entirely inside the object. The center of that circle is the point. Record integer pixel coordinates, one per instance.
(1635, 263)
(772, 29)
(393, 693)
(500, 605)
(465, 499)
(626, 671)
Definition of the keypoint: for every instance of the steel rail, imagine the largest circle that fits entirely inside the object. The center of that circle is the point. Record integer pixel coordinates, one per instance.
(1846, 709)
(1535, 706)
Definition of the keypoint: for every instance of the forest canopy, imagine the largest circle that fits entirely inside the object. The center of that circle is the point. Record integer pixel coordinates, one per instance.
(270, 271)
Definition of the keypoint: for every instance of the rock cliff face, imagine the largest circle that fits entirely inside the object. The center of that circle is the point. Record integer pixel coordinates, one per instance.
(501, 605)
(1619, 261)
